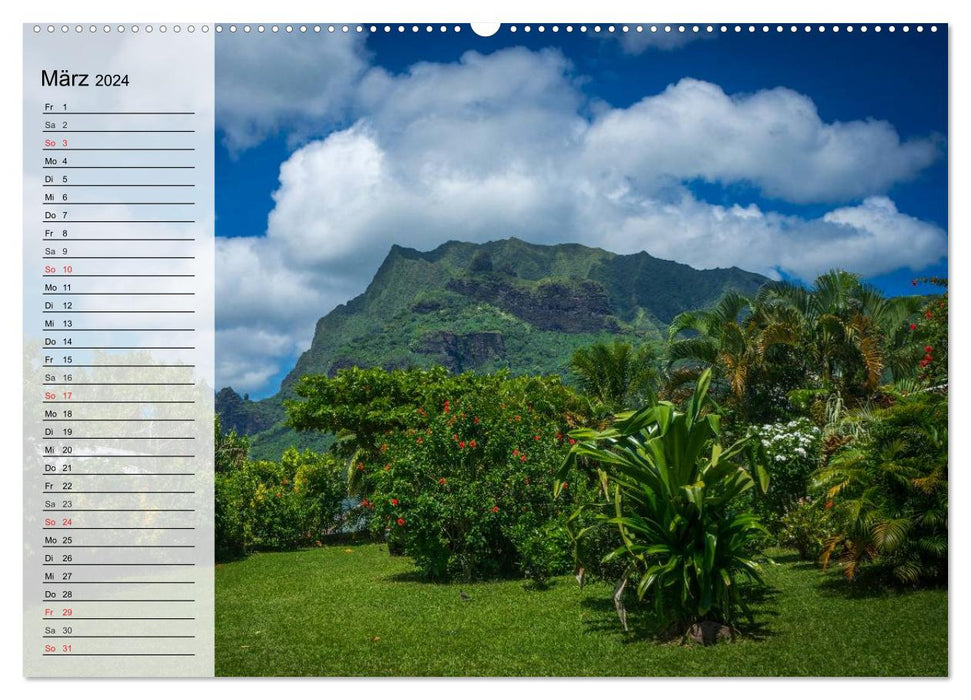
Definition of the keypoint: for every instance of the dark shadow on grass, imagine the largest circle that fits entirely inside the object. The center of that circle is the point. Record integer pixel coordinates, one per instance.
(869, 583)
(416, 576)
(647, 626)
(349, 538)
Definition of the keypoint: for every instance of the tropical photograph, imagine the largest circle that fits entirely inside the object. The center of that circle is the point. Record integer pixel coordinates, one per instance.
(582, 350)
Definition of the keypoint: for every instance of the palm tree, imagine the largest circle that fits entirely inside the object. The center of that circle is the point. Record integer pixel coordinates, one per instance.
(733, 338)
(850, 332)
(617, 375)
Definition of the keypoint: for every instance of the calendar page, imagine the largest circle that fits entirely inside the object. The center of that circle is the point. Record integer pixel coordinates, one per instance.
(545, 349)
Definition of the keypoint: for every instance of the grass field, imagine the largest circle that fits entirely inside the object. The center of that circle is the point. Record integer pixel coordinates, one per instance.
(355, 611)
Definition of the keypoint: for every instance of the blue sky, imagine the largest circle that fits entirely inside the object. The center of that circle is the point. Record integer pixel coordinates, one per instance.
(782, 153)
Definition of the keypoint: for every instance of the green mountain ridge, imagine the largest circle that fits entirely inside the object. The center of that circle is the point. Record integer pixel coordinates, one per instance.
(504, 304)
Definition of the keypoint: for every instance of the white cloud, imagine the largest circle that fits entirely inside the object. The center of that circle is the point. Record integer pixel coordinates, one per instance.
(301, 83)
(773, 139)
(494, 146)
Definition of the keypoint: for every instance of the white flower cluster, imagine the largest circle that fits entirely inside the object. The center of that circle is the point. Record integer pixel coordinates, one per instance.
(785, 441)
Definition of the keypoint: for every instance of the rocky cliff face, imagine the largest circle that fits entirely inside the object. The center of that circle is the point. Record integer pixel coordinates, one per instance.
(578, 306)
(461, 352)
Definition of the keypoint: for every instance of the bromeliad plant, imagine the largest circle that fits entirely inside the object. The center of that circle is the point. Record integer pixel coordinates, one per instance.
(687, 538)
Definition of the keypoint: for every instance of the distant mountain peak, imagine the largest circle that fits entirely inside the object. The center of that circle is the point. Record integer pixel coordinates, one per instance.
(502, 304)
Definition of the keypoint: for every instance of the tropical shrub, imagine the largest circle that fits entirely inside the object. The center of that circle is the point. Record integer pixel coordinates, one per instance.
(807, 526)
(791, 454)
(688, 540)
(466, 489)
(277, 505)
(230, 529)
(617, 376)
(888, 485)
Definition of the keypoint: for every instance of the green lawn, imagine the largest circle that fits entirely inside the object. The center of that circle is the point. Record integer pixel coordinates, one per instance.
(353, 611)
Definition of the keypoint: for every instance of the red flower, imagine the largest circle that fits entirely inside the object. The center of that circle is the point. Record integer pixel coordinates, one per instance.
(913, 326)
(829, 504)
(401, 522)
(536, 438)
(364, 503)
(446, 407)
(442, 481)
(515, 417)
(277, 494)
(559, 436)
(572, 441)
(495, 509)
(476, 420)
(471, 443)
(929, 314)
(564, 485)
(394, 501)
(522, 458)
(515, 453)
(360, 466)
(462, 445)
(927, 348)
(924, 363)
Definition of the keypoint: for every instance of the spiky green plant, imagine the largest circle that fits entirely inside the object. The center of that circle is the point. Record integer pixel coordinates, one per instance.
(687, 538)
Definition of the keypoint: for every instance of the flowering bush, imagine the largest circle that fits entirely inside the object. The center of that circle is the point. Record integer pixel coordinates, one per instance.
(465, 487)
(930, 326)
(792, 450)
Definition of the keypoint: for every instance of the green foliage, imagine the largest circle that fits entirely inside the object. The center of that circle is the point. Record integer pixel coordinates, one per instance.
(230, 457)
(273, 505)
(687, 539)
(618, 376)
(807, 527)
(231, 449)
(456, 470)
(889, 487)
